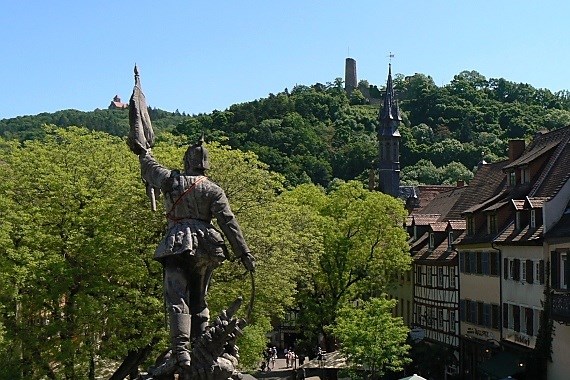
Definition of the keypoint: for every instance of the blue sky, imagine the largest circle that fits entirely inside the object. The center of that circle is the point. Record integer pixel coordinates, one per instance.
(200, 56)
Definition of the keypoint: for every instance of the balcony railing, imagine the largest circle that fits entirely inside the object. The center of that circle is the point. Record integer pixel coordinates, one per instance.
(561, 307)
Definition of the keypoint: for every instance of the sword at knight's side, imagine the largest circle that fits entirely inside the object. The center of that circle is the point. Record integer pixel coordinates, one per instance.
(141, 134)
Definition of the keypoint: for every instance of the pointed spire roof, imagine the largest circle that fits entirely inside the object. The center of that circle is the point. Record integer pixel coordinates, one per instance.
(390, 110)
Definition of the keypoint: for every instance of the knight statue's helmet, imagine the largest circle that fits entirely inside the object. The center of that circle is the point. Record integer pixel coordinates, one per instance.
(196, 156)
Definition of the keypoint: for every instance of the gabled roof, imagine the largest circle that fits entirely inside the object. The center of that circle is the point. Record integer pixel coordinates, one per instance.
(535, 202)
(419, 243)
(555, 174)
(443, 201)
(518, 204)
(541, 144)
(438, 226)
(425, 219)
(457, 225)
(488, 181)
(440, 253)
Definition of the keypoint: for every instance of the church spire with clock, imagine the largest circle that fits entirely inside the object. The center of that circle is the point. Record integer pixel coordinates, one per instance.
(389, 141)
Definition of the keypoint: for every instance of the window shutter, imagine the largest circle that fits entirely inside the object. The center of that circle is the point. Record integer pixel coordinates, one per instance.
(529, 321)
(517, 275)
(541, 271)
(517, 318)
(529, 271)
(554, 264)
(505, 268)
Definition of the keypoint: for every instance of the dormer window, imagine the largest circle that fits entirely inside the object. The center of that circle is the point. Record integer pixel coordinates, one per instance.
(492, 223)
(431, 240)
(532, 218)
(415, 232)
(525, 175)
(512, 178)
(470, 225)
(518, 220)
(449, 239)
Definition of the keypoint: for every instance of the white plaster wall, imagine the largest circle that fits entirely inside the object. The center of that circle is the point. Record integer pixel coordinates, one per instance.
(479, 287)
(518, 292)
(558, 369)
(553, 209)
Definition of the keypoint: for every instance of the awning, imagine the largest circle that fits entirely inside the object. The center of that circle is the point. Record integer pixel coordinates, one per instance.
(414, 377)
(502, 365)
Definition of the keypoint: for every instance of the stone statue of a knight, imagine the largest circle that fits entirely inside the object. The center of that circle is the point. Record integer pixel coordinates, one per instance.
(192, 247)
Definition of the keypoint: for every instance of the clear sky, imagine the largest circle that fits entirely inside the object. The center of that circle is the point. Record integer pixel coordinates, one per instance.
(197, 56)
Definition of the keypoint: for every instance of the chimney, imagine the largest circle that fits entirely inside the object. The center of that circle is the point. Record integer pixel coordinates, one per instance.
(516, 149)
(460, 183)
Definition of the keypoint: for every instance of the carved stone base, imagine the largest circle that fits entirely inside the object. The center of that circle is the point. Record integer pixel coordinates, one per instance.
(214, 355)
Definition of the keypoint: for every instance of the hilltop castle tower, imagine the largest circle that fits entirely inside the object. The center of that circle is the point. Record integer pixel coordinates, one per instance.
(389, 141)
(350, 80)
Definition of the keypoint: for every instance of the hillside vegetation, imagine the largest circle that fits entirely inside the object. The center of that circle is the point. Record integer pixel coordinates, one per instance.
(317, 133)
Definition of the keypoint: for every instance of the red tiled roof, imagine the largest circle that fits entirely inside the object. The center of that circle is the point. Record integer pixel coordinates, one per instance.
(518, 203)
(555, 175)
(540, 145)
(459, 224)
(426, 193)
(536, 202)
(441, 253)
(444, 202)
(438, 226)
(425, 219)
(488, 181)
(512, 235)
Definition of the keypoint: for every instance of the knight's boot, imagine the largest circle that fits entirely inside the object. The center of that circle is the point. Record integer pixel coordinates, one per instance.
(180, 338)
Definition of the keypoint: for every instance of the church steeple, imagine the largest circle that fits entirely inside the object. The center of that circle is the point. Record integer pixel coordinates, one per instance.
(390, 110)
(389, 119)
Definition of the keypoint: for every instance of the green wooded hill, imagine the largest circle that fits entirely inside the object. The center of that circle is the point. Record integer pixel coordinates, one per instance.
(317, 133)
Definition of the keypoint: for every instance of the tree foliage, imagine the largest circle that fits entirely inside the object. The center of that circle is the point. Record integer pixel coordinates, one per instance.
(371, 338)
(77, 239)
(363, 247)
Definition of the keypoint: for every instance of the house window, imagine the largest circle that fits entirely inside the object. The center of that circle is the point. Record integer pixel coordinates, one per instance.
(452, 277)
(512, 178)
(431, 240)
(494, 263)
(440, 276)
(492, 223)
(526, 175)
(470, 225)
(486, 315)
(449, 239)
(511, 269)
(495, 316)
(415, 232)
(523, 270)
(429, 276)
(418, 274)
(532, 218)
(537, 271)
(485, 262)
(518, 220)
(529, 319)
(452, 321)
(516, 318)
(440, 318)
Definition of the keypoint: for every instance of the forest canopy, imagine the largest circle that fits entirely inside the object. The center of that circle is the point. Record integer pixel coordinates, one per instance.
(317, 133)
